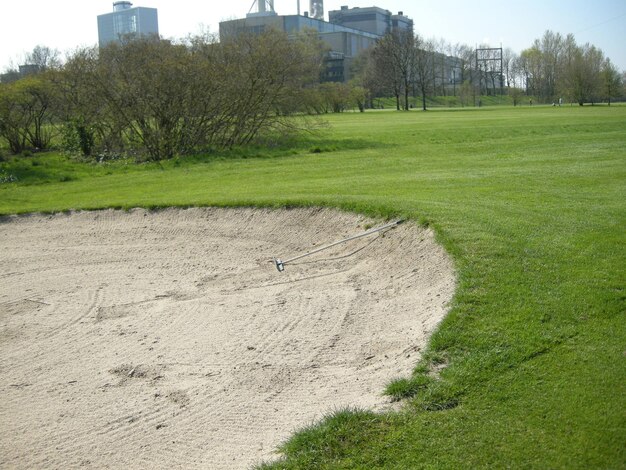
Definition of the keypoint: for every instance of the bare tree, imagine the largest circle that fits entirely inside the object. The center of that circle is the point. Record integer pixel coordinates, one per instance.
(612, 86)
(509, 58)
(424, 63)
(384, 71)
(440, 65)
(466, 54)
(82, 107)
(393, 58)
(531, 68)
(13, 120)
(43, 58)
(271, 71)
(38, 104)
(145, 84)
(373, 77)
(582, 80)
(26, 118)
(551, 47)
(162, 98)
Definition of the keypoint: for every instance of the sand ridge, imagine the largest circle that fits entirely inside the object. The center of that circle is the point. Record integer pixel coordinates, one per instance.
(162, 339)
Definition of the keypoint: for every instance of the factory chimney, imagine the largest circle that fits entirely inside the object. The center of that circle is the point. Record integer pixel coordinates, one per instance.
(264, 4)
(264, 8)
(317, 9)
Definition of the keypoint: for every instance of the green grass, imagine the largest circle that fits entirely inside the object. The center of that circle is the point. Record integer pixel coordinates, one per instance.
(530, 202)
(455, 101)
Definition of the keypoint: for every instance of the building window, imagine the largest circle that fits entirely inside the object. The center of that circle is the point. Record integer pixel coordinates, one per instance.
(124, 24)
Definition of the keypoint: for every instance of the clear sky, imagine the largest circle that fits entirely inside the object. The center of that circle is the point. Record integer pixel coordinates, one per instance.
(67, 24)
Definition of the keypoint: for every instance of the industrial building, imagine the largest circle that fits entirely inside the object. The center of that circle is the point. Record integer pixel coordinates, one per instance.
(349, 31)
(126, 20)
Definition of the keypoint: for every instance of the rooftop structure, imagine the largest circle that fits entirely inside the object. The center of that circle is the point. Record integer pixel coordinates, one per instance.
(371, 19)
(265, 8)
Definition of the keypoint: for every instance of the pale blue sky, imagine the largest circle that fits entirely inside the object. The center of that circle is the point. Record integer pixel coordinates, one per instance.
(67, 24)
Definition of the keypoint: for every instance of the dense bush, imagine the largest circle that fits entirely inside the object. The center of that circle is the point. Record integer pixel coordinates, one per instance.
(157, 98)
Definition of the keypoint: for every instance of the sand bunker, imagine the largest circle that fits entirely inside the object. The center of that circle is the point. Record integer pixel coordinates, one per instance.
(167, 339)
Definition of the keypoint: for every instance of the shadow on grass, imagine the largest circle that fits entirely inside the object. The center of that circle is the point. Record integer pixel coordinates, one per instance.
(286, 147)
(46, 167)
(55, 167)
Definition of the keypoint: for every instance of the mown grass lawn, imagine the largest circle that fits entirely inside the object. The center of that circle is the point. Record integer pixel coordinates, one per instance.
(530, 202)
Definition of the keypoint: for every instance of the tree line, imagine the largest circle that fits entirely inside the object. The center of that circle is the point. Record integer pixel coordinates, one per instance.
(157, 98)
(555, 66)
(406, 65)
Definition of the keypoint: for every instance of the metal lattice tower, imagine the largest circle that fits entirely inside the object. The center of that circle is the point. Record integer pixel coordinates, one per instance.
(490, 67)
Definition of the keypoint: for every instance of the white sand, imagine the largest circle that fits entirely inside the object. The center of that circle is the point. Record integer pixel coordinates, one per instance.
(167, 339)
